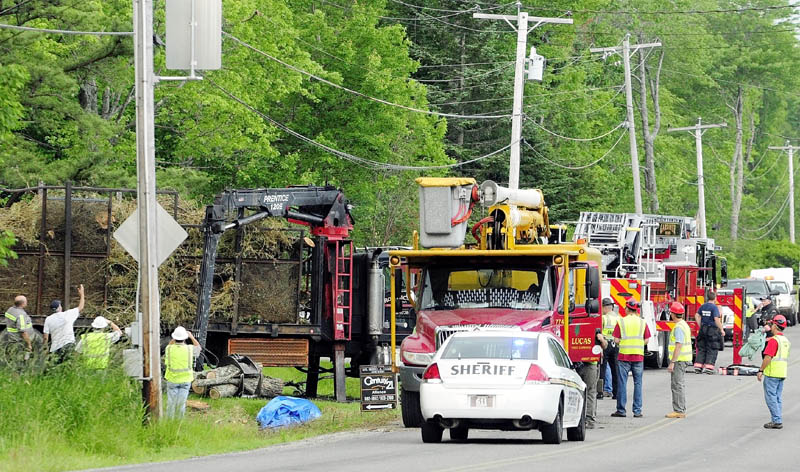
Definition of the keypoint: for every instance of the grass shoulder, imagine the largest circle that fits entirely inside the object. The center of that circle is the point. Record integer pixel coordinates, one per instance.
(72, 419)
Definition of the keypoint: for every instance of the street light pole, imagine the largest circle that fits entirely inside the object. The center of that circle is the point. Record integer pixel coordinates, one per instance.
(146, 201)
(697, 131)
(522, 19)
(625, 50)
(790, 150)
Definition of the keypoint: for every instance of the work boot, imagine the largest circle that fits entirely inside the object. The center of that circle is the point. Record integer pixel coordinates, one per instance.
(675, 414)
(607, 394)
(698, 370)
(637, 415)
(600, 396)
(617, 414)
(772, 425)
(708, 371)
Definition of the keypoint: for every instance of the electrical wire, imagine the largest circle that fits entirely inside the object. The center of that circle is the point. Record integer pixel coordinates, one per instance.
(673, 12)
(583, 140)
(442, 10)
(476, 76)
(60, 31)
(430, 66)
(354, 92)
(593, 163)
(730, 82)
(777, 214)
(344, 155)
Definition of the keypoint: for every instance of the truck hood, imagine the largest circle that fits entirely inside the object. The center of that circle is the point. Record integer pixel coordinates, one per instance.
(525, 319)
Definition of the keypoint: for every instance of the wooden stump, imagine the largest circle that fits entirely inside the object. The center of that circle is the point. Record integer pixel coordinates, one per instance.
(222, 391)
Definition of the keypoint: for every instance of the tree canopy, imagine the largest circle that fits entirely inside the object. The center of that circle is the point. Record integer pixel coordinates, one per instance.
(361, 78)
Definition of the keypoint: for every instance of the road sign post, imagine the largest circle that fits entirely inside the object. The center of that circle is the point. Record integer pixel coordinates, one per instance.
(378, 388)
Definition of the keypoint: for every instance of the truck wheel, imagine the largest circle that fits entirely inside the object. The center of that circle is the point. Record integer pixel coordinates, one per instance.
(431, 432)
(409, 405)
(578, 433)
(665, 352)
(459, 434)
(553, 433)
(655, 358)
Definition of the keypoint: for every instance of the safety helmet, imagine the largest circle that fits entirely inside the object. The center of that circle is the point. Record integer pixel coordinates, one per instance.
(631, 304)
(608, 302)
(779, 320)
(677, 308)
(180, 334)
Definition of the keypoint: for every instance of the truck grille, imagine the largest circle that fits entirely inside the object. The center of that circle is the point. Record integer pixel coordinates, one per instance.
(444, 332)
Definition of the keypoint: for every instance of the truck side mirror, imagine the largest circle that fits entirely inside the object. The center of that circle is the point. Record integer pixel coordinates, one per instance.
(723, 270)
(592, 283)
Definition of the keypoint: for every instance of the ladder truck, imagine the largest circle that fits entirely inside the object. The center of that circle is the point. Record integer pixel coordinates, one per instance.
(657, 259)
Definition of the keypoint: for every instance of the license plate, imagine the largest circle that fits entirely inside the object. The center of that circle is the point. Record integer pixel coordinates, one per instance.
(481, 401)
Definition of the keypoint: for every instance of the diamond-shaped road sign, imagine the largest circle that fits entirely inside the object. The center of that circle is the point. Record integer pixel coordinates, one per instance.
(170, 235)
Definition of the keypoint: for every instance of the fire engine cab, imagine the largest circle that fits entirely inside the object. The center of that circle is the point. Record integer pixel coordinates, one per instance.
(656, 259)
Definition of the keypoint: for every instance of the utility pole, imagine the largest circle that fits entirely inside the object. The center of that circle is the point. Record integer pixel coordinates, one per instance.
(146, 194)
(790, 150)
(697, 131)
(522, 19)
(626, 52)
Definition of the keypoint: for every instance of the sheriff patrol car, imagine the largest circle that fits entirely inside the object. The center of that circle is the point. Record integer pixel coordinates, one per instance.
(506, 380)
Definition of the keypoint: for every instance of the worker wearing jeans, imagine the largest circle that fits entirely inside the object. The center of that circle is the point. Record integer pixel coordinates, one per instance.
(631, 334)
(774, 368)
(179, 359)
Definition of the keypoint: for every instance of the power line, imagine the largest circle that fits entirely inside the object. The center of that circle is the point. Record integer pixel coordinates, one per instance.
(430, 66)
(60, 31)
(476, 76)
(583, 140)
(344, 155)
(354, 92)
(708, 33)
(593, 163)
(673, 12)
(729, 82)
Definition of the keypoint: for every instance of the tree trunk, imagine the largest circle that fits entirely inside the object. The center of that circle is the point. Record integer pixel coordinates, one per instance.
(270, 387)
(219, 372)
(649, 135)
(737, 166)
(222, 391)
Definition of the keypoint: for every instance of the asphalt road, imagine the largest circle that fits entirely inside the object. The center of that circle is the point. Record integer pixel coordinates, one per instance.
(723, 431)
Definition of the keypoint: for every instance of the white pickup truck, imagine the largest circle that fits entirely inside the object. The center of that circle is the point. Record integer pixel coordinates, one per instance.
(781, 280)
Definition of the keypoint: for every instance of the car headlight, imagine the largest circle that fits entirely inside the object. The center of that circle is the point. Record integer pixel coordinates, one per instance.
(417, 358)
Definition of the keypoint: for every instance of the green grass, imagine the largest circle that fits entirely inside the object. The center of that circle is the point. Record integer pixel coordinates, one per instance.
(72, 418)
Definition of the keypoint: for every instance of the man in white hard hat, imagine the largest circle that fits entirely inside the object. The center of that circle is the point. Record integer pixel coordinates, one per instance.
(95, 346)
(179, 360)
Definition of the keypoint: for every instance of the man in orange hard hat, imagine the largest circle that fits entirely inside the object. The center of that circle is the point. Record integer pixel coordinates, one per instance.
(631, 335)
(680, 357)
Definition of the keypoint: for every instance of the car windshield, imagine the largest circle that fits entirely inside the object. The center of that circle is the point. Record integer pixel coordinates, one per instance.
(491, 347)
(779, 286)
(752, 287)
(447, 288)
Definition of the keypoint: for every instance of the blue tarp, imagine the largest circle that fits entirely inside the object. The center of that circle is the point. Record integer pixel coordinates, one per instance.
(287, 411)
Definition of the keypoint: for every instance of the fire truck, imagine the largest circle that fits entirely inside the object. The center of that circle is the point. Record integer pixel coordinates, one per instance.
(657, 259)
(518, 273)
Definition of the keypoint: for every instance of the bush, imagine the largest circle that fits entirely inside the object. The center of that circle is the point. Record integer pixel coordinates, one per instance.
(743, 256)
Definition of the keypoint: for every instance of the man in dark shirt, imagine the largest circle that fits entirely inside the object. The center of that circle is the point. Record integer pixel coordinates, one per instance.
(710, 335)
(767, 310)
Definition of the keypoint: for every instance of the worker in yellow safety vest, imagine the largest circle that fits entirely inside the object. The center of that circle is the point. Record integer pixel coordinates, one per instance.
(774, 368)
(608, 371)
(680, 357)
(631, 334)
(95, 346)
(179, 361)
(18, 324)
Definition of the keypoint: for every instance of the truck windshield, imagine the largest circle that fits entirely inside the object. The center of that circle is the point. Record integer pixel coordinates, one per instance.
(491, 347)
(449, 288)
(779, 286)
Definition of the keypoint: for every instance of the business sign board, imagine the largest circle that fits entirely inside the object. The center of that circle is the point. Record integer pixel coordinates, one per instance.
(378, 388)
